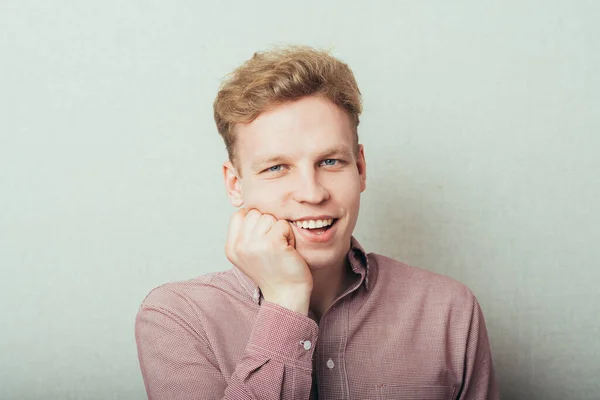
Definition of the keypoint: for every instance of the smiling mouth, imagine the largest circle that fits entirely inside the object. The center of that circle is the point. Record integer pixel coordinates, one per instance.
(315, 226)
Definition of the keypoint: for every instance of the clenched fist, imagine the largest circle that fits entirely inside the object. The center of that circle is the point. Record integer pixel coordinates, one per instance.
(264, 248)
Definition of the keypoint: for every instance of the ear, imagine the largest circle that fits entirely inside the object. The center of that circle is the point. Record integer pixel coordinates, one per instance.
(233, 184)
(361, 165)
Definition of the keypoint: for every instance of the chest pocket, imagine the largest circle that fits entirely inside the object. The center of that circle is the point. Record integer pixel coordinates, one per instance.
(398, 392)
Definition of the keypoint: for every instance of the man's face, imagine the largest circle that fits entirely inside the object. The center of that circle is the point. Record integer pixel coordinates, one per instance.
(297, 162)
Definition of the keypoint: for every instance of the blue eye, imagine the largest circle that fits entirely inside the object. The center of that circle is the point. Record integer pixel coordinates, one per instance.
(275, 168)
(330, 162)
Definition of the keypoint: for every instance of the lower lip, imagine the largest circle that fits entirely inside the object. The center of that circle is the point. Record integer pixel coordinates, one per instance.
(310, 236)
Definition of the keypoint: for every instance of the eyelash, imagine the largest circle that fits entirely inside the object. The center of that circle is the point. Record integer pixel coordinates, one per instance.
(338, 162)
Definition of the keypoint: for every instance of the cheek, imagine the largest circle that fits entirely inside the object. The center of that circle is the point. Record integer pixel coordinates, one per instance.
(346, 190)
(263, 195)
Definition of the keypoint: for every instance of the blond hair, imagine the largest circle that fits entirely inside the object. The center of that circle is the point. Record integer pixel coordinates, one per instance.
(280, 75)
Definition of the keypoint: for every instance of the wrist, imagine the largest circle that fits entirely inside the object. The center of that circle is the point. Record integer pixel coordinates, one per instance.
(295, 299)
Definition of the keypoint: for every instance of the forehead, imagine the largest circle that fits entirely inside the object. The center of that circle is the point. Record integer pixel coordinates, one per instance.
(295, 129)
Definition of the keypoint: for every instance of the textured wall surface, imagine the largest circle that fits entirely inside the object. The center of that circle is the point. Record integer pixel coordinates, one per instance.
(481, 131)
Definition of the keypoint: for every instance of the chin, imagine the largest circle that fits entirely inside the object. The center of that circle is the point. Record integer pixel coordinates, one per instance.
(321, 258)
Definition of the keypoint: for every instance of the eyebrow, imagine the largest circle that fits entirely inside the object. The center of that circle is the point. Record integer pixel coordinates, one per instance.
(341, 150)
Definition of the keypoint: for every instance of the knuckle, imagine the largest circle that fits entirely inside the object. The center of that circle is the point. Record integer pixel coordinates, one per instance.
(269, 218)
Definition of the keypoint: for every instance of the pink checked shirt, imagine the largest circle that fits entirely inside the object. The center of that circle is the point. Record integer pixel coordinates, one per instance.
(398, 332)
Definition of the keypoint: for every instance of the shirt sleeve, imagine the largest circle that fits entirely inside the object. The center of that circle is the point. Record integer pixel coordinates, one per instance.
(177, 361)
(479, 381)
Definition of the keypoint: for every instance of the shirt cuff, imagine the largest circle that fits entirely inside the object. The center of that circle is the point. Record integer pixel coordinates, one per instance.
(284, 335)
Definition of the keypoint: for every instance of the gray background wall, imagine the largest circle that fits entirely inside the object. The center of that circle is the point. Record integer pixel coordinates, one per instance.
(481, 134)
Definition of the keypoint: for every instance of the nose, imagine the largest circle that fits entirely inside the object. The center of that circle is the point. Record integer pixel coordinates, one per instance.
(309, 189)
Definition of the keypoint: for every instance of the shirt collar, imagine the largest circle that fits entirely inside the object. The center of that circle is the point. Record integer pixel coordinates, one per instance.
(357, 257)
(359, 261)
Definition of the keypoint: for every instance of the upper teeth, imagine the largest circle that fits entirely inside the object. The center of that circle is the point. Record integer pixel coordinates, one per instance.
(311, 224)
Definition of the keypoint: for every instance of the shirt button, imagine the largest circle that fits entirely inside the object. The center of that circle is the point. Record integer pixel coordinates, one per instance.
(307, 345)
(330, 364)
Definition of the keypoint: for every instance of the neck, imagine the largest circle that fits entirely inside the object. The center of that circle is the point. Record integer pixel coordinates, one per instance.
(328, 284)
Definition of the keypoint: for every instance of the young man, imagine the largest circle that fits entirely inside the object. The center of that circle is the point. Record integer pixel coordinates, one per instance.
(305, 312)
